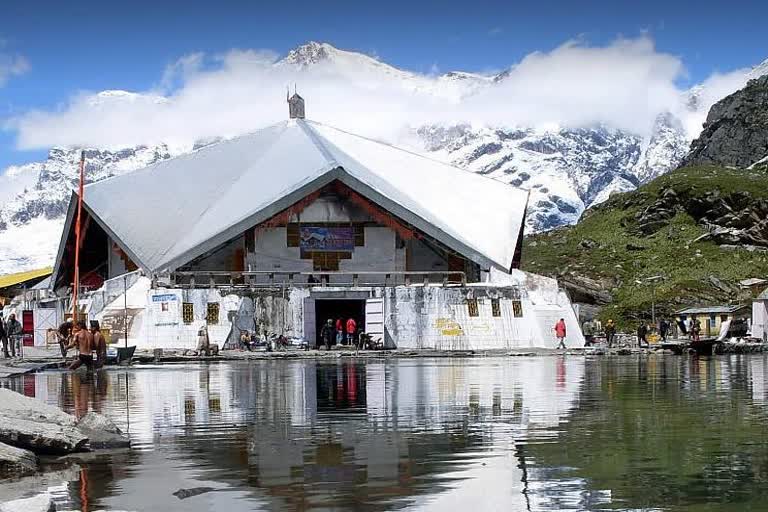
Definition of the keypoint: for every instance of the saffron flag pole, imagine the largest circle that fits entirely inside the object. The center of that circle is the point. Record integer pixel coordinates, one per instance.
(76, 284)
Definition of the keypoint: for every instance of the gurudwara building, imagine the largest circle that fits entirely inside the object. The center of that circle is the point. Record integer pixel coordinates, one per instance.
(281, 229)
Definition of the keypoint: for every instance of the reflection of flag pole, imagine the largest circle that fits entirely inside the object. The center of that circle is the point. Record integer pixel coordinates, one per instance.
(125, 309)
(77, 237)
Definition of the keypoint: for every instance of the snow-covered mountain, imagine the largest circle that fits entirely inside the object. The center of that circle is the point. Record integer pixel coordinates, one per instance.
(37, 195)
(566, 169)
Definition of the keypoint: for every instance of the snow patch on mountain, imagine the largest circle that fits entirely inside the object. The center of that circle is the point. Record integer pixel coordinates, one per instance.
(32, 218)
(565, 170)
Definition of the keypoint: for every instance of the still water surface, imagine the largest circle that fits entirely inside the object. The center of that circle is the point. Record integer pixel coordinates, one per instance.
(544, 433)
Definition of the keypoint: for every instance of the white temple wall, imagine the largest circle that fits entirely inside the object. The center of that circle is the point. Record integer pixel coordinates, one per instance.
(379, 254)
(760, 319)
(439, 318)
(415, 317)
(421, 257)
(331, 209)
(273, 254)
(228, 256)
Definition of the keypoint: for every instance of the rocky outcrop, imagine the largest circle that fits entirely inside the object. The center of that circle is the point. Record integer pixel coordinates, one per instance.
(102, 433)
(585, 290)
(40, 503)
(15, 405)
(41, 437)
(734, 219)
(33, 425)
(736, 131)
(16, 461)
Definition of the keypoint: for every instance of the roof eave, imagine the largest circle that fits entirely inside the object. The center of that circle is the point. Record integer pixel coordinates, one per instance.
(418, 222)
(71, 208)
(520, 235)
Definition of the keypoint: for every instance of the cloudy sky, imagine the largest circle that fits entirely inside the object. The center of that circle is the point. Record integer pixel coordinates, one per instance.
(199, 70)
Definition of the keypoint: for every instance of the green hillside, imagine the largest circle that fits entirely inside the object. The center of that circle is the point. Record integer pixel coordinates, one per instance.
(660, 229)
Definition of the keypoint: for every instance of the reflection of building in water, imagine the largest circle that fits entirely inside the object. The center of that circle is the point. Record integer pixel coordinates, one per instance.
(296, 435)
(758, 377)
(342, 389)
(397, 430)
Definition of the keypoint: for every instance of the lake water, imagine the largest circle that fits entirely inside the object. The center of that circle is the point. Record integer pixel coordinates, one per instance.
(538, 433)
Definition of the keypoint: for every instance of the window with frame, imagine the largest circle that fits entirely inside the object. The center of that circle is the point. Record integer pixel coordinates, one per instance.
(473, 308)
(495, 307)
(517, 309)
(212, 316)
(325, 261)
(187, 312)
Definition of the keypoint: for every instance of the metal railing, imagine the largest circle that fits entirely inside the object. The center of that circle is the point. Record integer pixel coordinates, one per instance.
(268, 279)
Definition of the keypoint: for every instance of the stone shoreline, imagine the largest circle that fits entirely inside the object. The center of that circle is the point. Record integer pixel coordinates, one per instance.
(184, 356)
(34, 436)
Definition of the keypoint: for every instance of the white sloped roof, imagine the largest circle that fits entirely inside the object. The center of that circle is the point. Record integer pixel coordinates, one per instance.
(171, 212)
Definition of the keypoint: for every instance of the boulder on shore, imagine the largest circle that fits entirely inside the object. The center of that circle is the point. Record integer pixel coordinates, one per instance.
(16, 461)
(15, 405)
(102, 433)
(41, 437)
(34, 425)
(40, 503)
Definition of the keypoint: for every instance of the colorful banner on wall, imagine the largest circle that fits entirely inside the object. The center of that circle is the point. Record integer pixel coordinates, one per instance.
(165, 309)
(326, 239)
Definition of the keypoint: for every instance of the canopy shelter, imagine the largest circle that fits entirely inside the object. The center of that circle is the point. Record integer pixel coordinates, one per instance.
(13, 284)
(166, 215)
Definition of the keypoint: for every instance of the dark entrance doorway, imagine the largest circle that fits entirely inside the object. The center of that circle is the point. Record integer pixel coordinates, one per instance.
(335, 309)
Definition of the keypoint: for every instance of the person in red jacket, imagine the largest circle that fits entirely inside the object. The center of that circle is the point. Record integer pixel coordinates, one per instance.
(339, 331)
(560, 333)
(351, 331)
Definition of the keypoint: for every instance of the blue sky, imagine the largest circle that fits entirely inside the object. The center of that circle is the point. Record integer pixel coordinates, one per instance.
(91, 46)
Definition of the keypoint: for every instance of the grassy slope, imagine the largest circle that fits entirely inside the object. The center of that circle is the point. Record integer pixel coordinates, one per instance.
(686, 266)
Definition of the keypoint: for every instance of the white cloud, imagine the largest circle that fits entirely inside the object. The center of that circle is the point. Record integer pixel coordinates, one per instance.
(11, 65)
(709, 92)
(623, 85)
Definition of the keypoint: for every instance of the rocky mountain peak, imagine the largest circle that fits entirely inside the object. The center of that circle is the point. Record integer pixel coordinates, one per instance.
(309, 53)
(736, 130)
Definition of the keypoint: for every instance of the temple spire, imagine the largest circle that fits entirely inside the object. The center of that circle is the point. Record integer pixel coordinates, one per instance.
(296, 106)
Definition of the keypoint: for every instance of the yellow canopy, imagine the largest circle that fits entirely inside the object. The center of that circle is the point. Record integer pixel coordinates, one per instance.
(19, 277)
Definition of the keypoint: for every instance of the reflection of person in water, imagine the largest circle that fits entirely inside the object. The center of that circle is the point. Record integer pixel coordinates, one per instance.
(561, 373)
(82, 393)
(89, 391)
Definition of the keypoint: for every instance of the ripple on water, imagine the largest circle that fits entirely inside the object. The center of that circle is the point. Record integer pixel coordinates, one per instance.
(547, 433)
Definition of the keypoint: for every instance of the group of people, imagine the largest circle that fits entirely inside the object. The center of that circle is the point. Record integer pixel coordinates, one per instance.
(645, 329)
(251, 341)
(10, 335)
(692, 326)
(591, 328)
(87, 342)
(343, 332)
